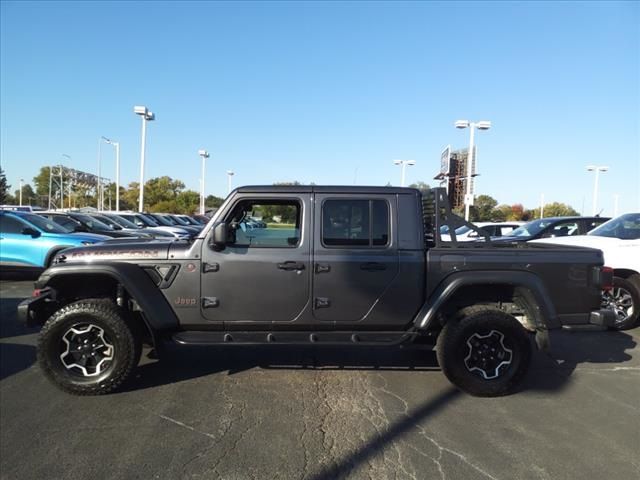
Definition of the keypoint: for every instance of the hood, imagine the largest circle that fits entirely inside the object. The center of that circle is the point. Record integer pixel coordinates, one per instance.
(592, 241)
(79, 237)
(115, 250)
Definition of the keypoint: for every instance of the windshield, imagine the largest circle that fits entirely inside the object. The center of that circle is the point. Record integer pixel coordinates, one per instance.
(163, 220)
(44, 224)
(179, 220)
(190, 220)
(530, 229)
(108, 221)
(123, 222)
(624, 227)
(461, 230)
(91, 222)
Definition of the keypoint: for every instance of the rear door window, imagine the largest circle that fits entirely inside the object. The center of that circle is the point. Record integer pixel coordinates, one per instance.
(355, 223)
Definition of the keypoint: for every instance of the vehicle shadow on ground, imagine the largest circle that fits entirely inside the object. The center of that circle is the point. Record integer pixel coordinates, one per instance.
(550, 371)
(15, 357)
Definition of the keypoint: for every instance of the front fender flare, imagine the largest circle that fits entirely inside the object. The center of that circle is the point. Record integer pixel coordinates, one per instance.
(532, 289)
(157, 311)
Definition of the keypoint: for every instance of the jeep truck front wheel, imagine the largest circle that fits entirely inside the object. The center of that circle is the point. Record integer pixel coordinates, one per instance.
(87, 347)
(484, 351)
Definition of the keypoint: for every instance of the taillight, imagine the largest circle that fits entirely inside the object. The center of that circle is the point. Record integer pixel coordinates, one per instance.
(606, 278)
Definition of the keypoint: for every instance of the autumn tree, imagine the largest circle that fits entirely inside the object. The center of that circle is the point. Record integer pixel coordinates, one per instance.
(557, 209)
(4, 187)
(423, 187)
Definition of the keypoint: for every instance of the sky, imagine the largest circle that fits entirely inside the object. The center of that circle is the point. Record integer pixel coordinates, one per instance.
(329, 92)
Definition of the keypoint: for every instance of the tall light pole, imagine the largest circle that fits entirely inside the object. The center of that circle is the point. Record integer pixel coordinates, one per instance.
(117, 147)
(147, 116)
(21, 182)
(482, 125)
(597, 169)
(403, 164)
(204, 155)
(229, 175)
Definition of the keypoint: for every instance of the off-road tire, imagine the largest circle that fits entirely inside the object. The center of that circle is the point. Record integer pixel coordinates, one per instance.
(631, 285)
(111, 319)
(453, 350)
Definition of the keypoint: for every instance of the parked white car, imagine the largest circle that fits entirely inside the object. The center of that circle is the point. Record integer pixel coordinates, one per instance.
(619, 240)
(494, 229)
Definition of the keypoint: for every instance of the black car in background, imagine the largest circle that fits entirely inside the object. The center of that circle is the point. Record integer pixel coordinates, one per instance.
(82, 222)
(552, 227)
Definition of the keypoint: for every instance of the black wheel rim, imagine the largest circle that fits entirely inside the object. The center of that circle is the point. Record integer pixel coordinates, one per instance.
(86, 350)
(487, 355)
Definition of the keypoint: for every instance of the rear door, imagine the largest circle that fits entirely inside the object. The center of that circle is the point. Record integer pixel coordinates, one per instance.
(355, 255)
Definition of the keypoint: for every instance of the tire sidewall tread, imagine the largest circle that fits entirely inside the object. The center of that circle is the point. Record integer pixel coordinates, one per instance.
(107, 315)
(452, 340)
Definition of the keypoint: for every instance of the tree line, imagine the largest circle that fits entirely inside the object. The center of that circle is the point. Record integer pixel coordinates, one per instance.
(165, 194)
(161, 194)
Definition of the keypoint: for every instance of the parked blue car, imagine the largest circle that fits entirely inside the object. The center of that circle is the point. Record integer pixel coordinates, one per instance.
(30, 241)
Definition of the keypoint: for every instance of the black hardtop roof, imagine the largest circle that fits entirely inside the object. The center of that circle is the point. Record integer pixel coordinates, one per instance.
(358, 189)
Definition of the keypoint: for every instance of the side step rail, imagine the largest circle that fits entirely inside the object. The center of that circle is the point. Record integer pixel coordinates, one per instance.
(292, 338)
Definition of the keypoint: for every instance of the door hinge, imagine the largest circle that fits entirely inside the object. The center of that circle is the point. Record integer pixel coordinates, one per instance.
(321, 302)
(210, 302)
(322, 268)
(210, 267)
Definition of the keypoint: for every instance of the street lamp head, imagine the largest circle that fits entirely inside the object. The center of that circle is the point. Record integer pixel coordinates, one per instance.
(140, 110)
(462, 124)
(397, 162)
(106, 140)
(203, 153)
(603, 169)
(483, 125)
(411, 162)
(230, 173)
(591, 168)
(150, 116)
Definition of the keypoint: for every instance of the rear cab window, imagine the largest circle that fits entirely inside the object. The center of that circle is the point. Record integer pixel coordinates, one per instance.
(362, 223)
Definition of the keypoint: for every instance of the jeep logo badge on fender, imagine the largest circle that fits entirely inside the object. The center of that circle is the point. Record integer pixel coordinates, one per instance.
(185, 302)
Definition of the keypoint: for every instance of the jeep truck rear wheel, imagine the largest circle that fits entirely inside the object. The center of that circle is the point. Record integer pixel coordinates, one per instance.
(484, 351)
(87, 348)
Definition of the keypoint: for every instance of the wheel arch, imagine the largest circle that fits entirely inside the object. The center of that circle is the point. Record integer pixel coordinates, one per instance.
(462, 289)
(624, 273)
(105, 280)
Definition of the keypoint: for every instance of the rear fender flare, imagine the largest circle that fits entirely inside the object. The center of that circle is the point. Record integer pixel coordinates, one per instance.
(529, 286)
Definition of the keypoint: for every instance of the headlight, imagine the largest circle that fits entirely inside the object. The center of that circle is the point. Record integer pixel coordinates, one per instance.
(86, 242)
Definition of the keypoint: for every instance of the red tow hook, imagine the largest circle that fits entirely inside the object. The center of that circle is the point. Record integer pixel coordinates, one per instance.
(36, 293)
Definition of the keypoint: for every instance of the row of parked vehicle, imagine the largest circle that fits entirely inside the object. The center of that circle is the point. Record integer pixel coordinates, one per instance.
(30, 239)
(617, 238)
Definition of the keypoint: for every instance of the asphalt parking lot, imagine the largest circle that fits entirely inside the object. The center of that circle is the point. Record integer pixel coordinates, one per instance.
(240, 413)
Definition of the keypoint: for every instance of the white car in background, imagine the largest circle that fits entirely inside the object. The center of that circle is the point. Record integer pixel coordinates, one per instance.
(619, 240)
(493, 229)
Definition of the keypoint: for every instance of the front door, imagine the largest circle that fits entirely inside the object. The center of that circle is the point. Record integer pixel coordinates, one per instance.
(263, 276)
(355, 255)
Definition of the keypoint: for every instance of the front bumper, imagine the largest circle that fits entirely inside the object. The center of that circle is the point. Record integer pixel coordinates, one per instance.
(603, 318)
(29, 309)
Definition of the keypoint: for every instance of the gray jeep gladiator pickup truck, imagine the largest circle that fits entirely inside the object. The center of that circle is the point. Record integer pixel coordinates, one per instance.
(352, 266)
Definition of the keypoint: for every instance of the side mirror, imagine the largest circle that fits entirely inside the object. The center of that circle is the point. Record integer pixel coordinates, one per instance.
(220, 235)
(31, 231)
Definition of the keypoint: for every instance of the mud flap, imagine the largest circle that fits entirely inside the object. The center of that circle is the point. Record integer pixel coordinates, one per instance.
(542, 339)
